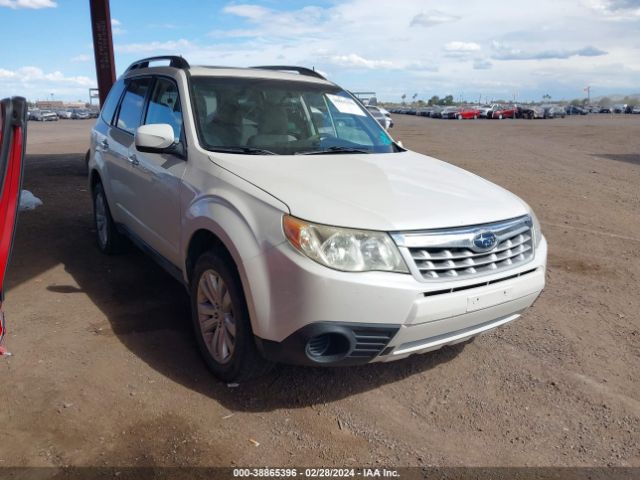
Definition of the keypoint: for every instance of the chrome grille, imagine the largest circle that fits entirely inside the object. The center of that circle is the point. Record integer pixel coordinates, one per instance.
(451, 253)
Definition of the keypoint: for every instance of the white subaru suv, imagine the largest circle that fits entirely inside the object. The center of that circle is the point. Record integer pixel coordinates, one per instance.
(303, 232)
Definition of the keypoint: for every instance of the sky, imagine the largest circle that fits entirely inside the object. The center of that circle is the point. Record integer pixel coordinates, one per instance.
(471, 49)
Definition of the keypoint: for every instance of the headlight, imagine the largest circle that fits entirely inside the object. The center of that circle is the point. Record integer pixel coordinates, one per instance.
(537, 233)
(344, 248)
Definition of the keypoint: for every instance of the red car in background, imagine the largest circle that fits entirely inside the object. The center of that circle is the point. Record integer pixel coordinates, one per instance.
(504, 112)
(468, 113)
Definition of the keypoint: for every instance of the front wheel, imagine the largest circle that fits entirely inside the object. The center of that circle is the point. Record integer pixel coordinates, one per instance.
(221, 321)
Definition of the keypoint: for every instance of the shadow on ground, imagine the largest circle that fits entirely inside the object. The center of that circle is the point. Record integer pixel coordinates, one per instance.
(148, 310)
(621, 157)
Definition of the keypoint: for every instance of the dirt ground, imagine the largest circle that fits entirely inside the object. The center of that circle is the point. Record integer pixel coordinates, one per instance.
(105, 370)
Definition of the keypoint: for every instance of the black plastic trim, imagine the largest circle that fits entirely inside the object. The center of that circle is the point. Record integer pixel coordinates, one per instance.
(366, 340)
(175, 61)
(289, 68)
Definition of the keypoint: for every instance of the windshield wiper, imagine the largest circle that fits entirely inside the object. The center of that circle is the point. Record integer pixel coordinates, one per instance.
(245, 150)
(334, 150)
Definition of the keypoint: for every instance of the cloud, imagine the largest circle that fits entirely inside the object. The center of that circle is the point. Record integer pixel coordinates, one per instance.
(503, 51)
(30, 74)
(617, 10)
(266, 22)
(172, 46)
(433, 18)
(462, 47)
(116, 27)
(252, 12)
(480, 64)
(353, 60)
(6, 73)
(32, 4)
(461, 50)
(82, 58)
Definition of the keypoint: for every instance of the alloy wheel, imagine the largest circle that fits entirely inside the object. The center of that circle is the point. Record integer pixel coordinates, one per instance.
(215, 316)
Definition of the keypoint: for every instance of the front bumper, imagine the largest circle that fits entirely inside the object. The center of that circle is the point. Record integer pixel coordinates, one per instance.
(299, 300)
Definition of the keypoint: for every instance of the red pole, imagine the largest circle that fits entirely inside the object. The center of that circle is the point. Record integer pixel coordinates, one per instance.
(103, 46)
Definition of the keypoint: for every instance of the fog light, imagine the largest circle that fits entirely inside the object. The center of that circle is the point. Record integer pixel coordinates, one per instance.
(328, 347)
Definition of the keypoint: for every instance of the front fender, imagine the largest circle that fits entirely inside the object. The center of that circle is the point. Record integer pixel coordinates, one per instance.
(247, 225)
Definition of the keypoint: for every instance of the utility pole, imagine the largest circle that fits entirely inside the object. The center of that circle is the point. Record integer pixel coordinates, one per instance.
(588, 90)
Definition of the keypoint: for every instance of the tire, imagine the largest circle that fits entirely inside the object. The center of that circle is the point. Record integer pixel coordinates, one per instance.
(109, 240)
(86, 161)
(219, 312)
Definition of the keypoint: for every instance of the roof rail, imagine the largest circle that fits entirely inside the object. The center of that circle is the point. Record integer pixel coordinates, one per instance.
(287, 68)
(174, 61)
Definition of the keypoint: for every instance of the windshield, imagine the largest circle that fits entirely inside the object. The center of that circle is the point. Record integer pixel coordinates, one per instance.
(264, 116)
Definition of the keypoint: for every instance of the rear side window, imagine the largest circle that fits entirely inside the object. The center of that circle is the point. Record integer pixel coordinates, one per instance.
(111, 103)
(130, 113)
(164, 106)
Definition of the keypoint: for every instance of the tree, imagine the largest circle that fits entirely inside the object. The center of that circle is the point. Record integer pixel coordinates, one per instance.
(435, 100)
(448, 100)
(605, 101)
(404, 95)
(546, 97)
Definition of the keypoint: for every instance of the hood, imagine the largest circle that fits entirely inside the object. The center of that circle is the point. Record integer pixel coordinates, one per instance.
(387, 192)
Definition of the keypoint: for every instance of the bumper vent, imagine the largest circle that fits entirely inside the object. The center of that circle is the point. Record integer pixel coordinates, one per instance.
(450, 254)
(371, 341)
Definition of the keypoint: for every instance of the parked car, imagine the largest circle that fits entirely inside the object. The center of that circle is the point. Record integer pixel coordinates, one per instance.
(382, 119)
(43, 116)
(303, 238)
(554, 111)
(79, 114)
(575, 110)
(503, 112)
(605, 110)
(529, 111)
(63, 114)
(449, 113)
(467, 113)
(635, 110)
(485, 111)
(435, 111)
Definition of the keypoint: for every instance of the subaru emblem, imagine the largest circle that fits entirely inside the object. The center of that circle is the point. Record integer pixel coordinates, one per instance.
(484, 241)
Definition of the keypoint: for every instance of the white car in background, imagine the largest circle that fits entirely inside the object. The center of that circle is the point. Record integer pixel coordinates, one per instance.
(43, 116)
(302, 231)
(382, 118)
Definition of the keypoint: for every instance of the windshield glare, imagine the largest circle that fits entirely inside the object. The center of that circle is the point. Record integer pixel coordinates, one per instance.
(282, 117)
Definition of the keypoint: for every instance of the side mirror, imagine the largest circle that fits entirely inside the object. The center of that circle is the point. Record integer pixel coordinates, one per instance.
(155, 138)
(399, 142)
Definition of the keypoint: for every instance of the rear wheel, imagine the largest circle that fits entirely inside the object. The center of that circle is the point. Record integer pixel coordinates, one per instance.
(221, 321)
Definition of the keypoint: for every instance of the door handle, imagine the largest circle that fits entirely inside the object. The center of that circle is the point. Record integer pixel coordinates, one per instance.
(133, 159)
(105, 144)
